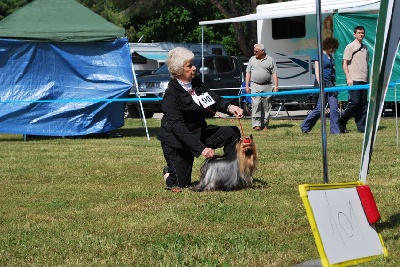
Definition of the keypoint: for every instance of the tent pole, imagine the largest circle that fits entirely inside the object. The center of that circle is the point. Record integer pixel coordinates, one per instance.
(395, 111)
(142, 116)
(202, 53)
(322, 93)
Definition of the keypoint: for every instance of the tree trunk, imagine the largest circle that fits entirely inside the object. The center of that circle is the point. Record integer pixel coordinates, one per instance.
(245, 32)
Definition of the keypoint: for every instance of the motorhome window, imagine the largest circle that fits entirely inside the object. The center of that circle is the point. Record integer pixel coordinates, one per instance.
(138, 59)
(225, 65)
(287, 28)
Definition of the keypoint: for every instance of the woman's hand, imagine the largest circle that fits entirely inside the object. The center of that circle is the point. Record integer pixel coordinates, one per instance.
(208, 152)
(236, 111)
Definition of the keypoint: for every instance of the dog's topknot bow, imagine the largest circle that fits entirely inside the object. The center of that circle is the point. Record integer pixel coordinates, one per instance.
(247, 140)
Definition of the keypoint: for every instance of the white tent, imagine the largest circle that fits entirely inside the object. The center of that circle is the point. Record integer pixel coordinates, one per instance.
(300, 8)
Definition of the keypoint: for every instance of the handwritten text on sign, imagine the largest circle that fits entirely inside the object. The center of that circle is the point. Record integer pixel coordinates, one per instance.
(343, 226)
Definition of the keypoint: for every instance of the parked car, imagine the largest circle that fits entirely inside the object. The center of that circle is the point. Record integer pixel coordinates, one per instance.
(223, 74)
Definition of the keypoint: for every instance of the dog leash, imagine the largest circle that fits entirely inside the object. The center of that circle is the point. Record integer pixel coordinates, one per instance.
(240, 123)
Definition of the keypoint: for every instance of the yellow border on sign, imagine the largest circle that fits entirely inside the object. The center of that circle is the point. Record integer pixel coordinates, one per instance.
(303, 189)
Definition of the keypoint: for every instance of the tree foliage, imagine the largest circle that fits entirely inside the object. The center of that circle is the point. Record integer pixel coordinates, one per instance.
(174, 20)
(178, 21)
(9, 6)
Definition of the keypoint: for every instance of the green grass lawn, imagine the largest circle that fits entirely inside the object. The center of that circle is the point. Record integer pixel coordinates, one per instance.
(102, 201)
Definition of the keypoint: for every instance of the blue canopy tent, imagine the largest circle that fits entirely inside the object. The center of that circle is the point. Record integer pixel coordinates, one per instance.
(62, 70)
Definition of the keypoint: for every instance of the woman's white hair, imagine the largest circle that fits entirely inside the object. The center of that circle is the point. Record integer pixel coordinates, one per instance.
(176, 59)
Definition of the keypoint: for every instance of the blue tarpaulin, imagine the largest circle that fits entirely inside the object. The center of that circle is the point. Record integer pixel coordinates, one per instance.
(51, 89)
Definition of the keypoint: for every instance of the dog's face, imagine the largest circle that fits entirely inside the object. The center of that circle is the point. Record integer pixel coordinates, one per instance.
(247, 157)
(246, 146)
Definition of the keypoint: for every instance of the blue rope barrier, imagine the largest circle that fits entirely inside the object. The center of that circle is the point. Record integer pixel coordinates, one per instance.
(287, 92)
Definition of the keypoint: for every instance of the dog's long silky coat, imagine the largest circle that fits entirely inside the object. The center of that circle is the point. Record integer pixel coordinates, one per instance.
(230, 174)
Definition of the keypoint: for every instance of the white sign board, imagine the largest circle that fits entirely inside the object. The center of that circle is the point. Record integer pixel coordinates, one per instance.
(339, 224)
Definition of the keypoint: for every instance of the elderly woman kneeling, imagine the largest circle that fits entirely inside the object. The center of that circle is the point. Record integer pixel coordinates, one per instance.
(184, 132)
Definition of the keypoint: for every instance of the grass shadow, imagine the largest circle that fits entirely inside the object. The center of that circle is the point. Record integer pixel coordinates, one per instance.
(104, 135)
(135, 132)
(117, 133)
(394, 222)
(282, 125)
(257, 184)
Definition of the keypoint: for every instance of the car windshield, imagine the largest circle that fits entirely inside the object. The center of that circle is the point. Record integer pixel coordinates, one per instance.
(164, 69)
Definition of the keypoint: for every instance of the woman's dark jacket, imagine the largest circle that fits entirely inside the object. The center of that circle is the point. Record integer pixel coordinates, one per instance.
(183, 119)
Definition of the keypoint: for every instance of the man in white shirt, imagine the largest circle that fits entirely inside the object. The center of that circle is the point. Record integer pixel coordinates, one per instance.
(355, 67)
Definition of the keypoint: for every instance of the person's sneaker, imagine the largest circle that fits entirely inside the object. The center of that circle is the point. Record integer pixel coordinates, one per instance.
(165, 173)
(304, 131)
(257, 128)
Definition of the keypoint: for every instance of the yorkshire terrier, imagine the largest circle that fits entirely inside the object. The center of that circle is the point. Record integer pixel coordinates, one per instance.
(230, 174)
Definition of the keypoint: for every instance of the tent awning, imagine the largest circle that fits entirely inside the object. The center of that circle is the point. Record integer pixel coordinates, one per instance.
(155, 55)
(58, 21)
(301, 8)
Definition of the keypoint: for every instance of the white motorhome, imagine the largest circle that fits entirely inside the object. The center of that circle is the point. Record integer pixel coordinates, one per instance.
(288, 31)
(150, 56)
